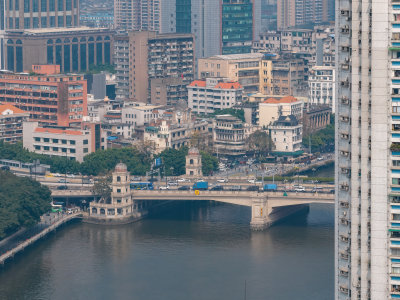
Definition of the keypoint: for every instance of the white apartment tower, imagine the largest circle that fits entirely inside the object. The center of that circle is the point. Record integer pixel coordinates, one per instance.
(367, 232)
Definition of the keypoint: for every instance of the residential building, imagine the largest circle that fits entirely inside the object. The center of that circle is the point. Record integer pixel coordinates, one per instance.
(121, 62)
(321, 83)
(229, 135)
(11, 120)
(367, 152)
(286, 133)
(271, 109)
(98, 108)
(71, 143)
(246, 69)
(174, 133)
(73, 49)
(97, 19)
(39, 14)
(207, 96)
(168, 91)
(158, 56)
(140, 115)
(152, 15)
(50, 99)
(292, 13)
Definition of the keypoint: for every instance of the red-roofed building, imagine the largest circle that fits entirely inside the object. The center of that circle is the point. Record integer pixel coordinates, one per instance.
(207, 96)
(11, 120)
(271, 109)
(71, 143)
(50, 99)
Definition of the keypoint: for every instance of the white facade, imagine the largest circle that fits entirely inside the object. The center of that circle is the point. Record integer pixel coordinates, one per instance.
(287, 134)
(72, 143)
(321, 83)
(367, 237)
(206, 96)
(271, 109)
(140, 115)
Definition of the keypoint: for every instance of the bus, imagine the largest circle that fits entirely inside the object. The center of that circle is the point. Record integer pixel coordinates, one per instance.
(142, 186)
(56, 208)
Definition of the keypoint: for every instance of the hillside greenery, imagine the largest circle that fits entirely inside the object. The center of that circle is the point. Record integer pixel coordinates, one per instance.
(22, 202)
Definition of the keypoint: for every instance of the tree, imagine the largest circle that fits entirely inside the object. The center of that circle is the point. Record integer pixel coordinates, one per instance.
(22, 202)
(260, 142)
(103, 189)
(209, 163)
(322, 140)
(174, 161)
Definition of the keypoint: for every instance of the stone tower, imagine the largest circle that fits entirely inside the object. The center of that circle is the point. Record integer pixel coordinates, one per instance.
(193, 163)
(121, 190)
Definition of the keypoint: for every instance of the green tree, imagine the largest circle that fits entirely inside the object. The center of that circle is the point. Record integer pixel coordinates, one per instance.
(174, 161)
(22, 202)
(260, 142)
(322, 140)
(209, 163)
(102, 187)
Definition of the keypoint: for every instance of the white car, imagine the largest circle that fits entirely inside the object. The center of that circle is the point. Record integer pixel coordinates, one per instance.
(222, 180)
(163, 187)
(183, 180)
(300, 189)
(251, 181)
(70, 175)
(57, 174)
(174, 183)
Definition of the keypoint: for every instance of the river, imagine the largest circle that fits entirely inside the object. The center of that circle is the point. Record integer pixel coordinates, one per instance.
(195, 251)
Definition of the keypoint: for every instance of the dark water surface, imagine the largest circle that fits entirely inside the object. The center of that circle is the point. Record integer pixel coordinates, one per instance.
(192, 251)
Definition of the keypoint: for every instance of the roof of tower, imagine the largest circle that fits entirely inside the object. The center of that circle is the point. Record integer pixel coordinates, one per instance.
(121, 167)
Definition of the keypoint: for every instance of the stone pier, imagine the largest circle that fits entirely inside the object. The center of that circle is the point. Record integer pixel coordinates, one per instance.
(260, 213)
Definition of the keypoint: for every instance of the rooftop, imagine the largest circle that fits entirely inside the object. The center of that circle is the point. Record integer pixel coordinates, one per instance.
(220, 85)
(57, 30)
(58, 131)
(8, 109)
(237, 56)
(287, 99)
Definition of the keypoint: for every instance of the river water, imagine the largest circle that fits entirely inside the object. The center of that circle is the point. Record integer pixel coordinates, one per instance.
(191, 251)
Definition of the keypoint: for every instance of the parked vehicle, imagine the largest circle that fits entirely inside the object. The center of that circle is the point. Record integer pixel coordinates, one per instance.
(270, 187)
(217, 188)
(317, 190)
(163, 187)
(62, 187)
(200, 185)
(183, 180)
(253, 188)
(184, 188)
(87, 180)
(222, 180)
(251, 181)
(172, 183)
(136, 178)
(299, 189)
(235, 188)
(63, 180)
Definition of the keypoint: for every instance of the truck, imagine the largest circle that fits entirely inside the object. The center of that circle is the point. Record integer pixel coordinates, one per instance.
(200, 185)
(270, 187)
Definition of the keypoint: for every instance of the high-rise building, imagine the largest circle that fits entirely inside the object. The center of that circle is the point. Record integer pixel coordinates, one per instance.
(153, 15)
(291, 13)
(367, 232)
(154, 56)
(29, 14)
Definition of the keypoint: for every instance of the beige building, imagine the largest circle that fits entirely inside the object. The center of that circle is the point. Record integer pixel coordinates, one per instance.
(243, 68)
(286, 133)
(155, 55)
(271, 109)
(193, 163)
(11, 121)
(229, 135)
(73, 144)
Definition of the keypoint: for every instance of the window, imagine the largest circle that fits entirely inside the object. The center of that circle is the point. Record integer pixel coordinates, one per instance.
(72, 142)
(72, 151)
(85, 142)
(64, 141)
(37, 139)
(85, 150)
(37, 147)
(26, 5)
(46, 140)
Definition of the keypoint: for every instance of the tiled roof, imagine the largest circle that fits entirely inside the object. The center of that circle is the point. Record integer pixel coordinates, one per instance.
(199, 83)
(228, 85)
(15, 110)
(287, 99)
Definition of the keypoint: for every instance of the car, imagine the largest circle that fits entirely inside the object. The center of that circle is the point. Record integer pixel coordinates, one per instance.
(217, 188)
(62, 180)
(184, 188)
(62, 187)
(172, 183)
(136, 178)
(332, 191)
(164, 187)
(251, 181)
(70, 175)
(5, 168)
(320, 158)
(222, 180)
(299, 189)
(317, 189)
(181, 180)
(57, 174)
(153, 179)
(235, 188)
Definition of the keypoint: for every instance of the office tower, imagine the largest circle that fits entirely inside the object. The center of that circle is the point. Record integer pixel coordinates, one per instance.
(367, 232)
(159, 56)
(28, 14)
